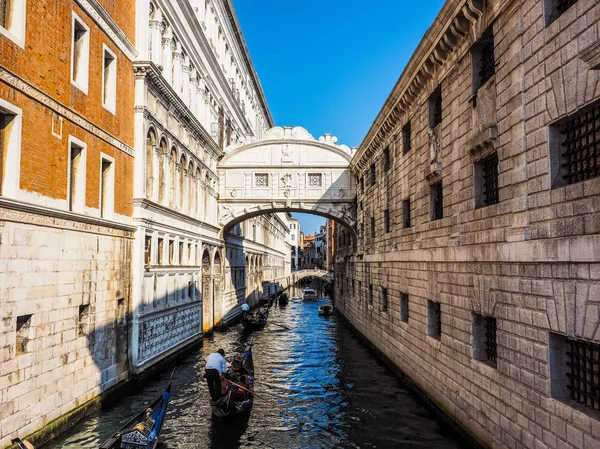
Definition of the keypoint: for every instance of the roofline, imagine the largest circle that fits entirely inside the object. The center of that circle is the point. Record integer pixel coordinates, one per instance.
(233, 19)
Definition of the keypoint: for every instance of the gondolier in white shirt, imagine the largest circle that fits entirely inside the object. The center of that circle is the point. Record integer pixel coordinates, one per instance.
(215, 369)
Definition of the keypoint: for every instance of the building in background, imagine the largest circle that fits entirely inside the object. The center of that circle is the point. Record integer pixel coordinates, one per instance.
(295, 242)
(330, 252)
(66, 184)
(321, 247)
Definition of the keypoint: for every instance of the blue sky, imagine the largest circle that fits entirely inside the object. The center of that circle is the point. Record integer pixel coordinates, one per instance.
(329, 65)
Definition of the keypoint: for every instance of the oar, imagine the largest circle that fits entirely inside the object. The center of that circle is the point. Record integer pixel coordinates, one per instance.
(23, 444)
(280, 325)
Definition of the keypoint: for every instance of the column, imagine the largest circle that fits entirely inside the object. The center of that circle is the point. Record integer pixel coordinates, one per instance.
(185, 73)
(167, 54)
(177, 68)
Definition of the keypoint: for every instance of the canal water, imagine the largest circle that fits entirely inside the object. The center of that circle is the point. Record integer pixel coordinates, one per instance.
(336, 393)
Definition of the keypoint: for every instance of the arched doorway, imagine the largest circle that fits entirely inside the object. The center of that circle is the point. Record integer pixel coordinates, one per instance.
(207, 300)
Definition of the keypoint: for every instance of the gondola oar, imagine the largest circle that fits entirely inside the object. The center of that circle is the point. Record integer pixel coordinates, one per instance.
(23, 444)
(280, 325)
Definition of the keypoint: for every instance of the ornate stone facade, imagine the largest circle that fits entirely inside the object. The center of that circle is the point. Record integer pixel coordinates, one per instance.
(477, 264)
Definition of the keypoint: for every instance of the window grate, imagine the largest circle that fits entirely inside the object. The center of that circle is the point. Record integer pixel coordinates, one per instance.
(437, 201)
(386, 221)
(315, 180)
(490, 179)
(404, 307)
(490, 339)
(434, 320)
(384, 299)
(435, 108)
(372, 226)
(387, 162)
(261, 180)
(488, 63)
(373, 178)
(584, 372)
(581, 146)
(406, 213)
(406, 138)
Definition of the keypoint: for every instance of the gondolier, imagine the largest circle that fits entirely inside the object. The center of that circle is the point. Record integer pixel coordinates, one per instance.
(215, 368)
(245, 307)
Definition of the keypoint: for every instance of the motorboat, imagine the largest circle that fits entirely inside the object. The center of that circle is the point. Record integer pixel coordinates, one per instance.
(143, 431)
(309, 294)
(257, 318)
(326, 310)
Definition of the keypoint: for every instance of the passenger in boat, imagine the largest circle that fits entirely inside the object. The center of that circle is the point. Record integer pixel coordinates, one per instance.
(215, 369)
(245, 307)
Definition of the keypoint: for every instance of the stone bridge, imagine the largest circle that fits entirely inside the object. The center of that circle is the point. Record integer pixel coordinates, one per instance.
(327, 276)
(287, 171)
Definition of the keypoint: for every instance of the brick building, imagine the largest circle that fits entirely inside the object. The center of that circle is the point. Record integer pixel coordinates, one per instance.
(477, 268)
(66, 167)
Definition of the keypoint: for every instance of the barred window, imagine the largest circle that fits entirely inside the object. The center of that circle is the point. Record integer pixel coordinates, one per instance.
(384, 299)
(359, 291)
(386, 159)
(434, 320)
(435, 108)
(373, 179)
(575, 147)
(483, 60)
(406, 138)
(372, 226)
(370, 293)
(404, 307)
(386, 221)
(362, 183)
(575, 370)
(486, 181)
(315, 180)
(484, 339)
(436, 199)
(555, 8)
(261, 180)
(148, 250)
(406, 213)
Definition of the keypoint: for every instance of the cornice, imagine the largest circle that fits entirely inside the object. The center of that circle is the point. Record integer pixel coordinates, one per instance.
(149, 71)
(455, 23)
(95, 10)
(41, 97)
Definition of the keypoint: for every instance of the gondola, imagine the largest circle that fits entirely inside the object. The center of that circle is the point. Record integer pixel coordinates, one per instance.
(283, 299)
(257, 318)
(143, 431)
(236, 390)
(326, 310)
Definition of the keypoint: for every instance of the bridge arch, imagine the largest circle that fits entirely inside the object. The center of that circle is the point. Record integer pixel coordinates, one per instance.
(288, 170)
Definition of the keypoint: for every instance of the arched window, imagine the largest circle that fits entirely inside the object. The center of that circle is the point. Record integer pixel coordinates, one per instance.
(191, 199)
(150, 144)
(206, 198)
(162, 167)
(198, 189)
(181, 173)
(173, 178)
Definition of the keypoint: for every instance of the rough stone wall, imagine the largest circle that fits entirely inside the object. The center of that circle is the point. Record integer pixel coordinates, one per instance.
(49, 267)
(531, 261)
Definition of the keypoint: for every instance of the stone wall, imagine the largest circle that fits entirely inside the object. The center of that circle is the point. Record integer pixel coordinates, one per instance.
(528, 263)
(64, 296)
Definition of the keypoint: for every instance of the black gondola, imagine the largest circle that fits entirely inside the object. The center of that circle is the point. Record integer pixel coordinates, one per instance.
(257, 318)
(283, 299)
(238, 385)
(143, 431)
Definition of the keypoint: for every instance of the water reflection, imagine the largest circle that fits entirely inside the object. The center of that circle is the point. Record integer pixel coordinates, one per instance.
(335, 394)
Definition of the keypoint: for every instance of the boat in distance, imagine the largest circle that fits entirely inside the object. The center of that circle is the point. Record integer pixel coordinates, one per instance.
(309, 294)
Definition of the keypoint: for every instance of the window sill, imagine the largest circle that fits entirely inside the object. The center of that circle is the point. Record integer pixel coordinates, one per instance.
(18, 40)
(109, 108)
(81, 87)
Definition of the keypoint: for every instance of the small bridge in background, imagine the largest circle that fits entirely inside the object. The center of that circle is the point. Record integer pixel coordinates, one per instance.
(327, 276)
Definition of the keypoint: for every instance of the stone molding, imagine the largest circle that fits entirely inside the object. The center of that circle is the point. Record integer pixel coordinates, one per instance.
(106, 23)
(36, 94)
(20, 212)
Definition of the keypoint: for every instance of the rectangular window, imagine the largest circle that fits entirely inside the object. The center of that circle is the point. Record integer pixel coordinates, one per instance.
(254, 232)
(181, 259)
(436, 201)
(406, 213)
(148, 250)
(80, 54)
(83, 320)
(406, 138)
(359, 291)
(575, 370)
(386, 221)
(23, 333)
(109, 80)
(76, 181)
(373, 177)
(482, 60)
(574, 149)
(484, 339)
(172, 252)
(189, 254)
(404, 307)
(12, 20)
(370, 293)
(190, 289)
(435, 108)
(486, 181)
(161, 249)
(387, 163)
(372, 226)
(434, 320)
(384, 299)
(553, 9)
(362, 183)
(261, 180)
(315, 180)
(107, 188)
